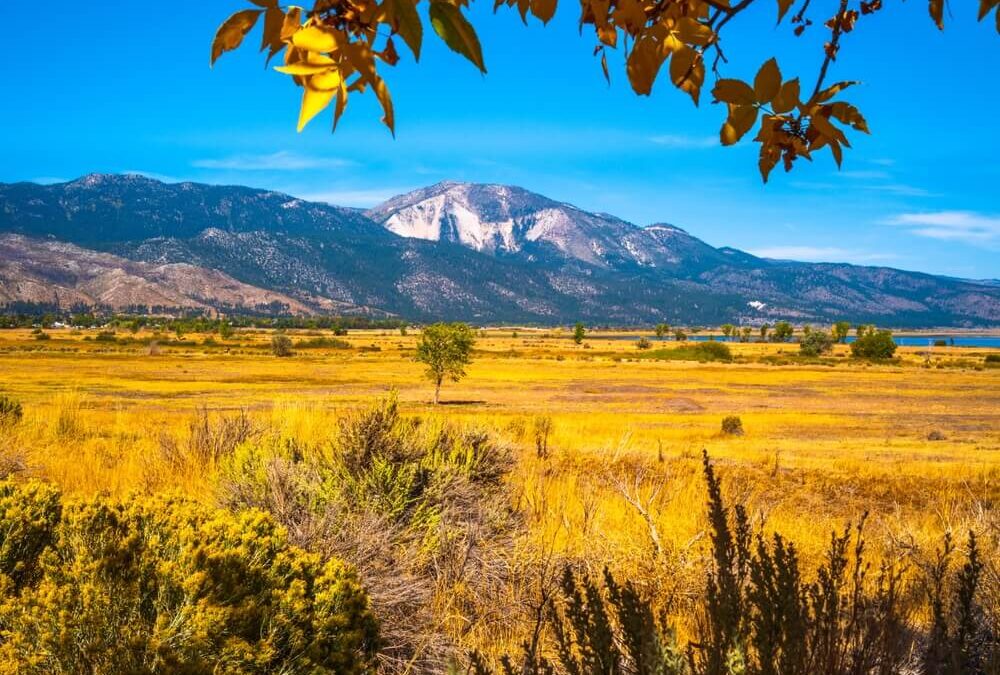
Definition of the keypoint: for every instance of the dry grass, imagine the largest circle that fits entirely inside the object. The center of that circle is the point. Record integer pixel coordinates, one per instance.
(621, 483)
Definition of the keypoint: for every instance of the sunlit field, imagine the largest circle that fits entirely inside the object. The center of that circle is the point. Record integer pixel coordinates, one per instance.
(607, 439)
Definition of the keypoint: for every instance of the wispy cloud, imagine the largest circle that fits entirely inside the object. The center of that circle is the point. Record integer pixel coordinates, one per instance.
(685, 142)
(881, 180)
(864, 174)
(357, 198)
(967, 226)
(821, 254)
(900, 189)
(278, 161)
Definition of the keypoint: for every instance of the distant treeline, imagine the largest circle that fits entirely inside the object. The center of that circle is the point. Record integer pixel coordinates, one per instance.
(28, 315)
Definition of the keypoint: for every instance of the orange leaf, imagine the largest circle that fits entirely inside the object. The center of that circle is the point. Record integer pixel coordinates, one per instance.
(768, 82)
(733, 91)
(937, 13)
(787, 98)
(543, 9)
(643, 65)
(741, 120)
(231, 33)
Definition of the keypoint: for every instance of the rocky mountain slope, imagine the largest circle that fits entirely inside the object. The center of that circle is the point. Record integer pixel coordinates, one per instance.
(504, 220)
(482, 253)
(56, 273)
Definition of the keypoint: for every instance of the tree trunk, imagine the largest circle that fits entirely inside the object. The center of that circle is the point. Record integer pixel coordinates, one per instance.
(437, 392)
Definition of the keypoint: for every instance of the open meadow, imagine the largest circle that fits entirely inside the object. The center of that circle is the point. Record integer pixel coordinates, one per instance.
(606, 441)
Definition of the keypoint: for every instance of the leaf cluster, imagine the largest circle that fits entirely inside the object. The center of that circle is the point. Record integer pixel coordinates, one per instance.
(337, 48)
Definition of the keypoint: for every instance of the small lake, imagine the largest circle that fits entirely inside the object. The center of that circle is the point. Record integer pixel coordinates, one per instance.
(926, 340)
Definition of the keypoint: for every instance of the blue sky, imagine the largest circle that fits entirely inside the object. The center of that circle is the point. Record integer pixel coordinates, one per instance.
(97, 86)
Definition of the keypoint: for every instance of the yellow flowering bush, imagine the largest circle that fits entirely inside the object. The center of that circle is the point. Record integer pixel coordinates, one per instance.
(167, 585)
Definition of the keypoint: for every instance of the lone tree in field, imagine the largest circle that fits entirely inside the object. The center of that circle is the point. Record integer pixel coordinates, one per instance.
(579, 332)
(446, 349)
(840, 330)
(662, 329)
(783, 331)
(340, 48)
(281, 346)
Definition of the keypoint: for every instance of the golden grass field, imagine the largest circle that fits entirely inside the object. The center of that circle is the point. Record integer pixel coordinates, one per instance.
(823, 443)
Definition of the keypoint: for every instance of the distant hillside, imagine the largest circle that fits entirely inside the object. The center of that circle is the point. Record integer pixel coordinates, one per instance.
(487, 253)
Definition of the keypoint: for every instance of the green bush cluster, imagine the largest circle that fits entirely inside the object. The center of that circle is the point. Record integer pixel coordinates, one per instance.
(873, 343)
(732, 425)
(281, 345)
(420, 505)
(166, 585)
(816, 343)
(322, 343)
(699, 351)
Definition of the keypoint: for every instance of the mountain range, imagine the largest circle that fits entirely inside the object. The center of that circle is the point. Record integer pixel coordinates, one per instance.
(481, 253)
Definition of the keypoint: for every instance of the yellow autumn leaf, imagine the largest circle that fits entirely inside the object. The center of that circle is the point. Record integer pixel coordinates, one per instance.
(741, 120)
(382, 93)
(848, 114)
(313, 103)
(820, 123)
(643, 64)
(693, 32)
(314, 39)
(304, 68)
(687, 72)
(833, 90)
(326, 81)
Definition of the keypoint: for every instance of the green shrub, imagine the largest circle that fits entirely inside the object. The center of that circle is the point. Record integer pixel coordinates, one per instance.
(281, 346)
(11, 411)
(817, 342)
(643, 343)
(782, 332)
(873, 344)
(322, 343)
(158, 585)
(699, 351)
(419, 506)
(732, 426)
(40, 335)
